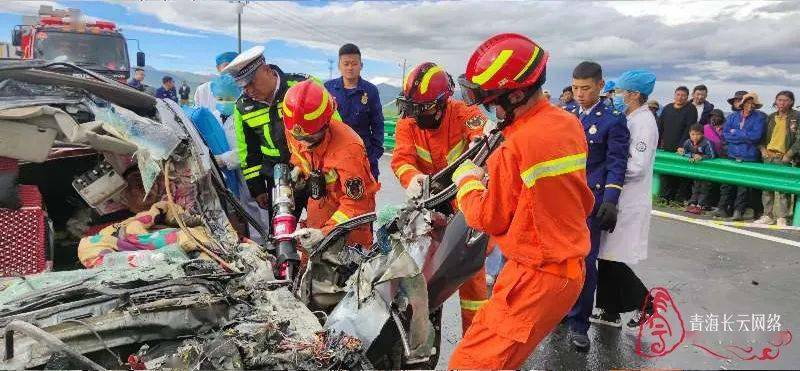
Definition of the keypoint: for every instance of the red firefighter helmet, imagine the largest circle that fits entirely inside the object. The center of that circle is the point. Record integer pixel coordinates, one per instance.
(307, 108)
(423, 88)
(503, 63)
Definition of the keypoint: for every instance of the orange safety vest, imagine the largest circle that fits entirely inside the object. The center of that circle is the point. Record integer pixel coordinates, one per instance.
(350, 188)
(420, 151)
(537, 200)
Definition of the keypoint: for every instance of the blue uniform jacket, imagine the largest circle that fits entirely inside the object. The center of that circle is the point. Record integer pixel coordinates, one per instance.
(704, 149)
(167, 94)
(743, 142)
(608, 137)
(361, 109)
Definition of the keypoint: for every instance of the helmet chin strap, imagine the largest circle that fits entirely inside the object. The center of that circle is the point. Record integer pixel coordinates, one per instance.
(508, 108)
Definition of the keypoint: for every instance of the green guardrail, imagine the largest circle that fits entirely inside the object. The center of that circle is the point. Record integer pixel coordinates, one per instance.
(767, 177)
(389, 125)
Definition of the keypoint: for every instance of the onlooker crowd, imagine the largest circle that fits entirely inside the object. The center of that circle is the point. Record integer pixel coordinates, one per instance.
(696, 129)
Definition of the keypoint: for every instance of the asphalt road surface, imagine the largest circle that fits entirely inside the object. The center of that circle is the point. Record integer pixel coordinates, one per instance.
(709, 273)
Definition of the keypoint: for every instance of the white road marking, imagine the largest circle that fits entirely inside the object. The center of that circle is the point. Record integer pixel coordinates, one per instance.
(711, 224)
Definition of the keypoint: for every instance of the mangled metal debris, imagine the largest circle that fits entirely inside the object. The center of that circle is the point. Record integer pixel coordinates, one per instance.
(199, 297)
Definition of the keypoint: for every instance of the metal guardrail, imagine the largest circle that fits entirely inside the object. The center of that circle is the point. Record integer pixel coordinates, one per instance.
(768, 177)
(389, 126)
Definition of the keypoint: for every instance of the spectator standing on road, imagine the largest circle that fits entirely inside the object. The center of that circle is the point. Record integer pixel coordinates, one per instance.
(567, 99)
(137, 82)
(183, 92)
(713, 132)
(359, 103)
(780, 135)
(703, 107)
(742, 132)
(697, 148)
(619, 290)
(654, 107)
(673, 130)
(736, 101)
(167, 89)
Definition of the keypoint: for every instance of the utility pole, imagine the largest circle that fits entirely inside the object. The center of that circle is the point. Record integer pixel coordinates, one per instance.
(403, 77)
(330, 68)
(239, 9)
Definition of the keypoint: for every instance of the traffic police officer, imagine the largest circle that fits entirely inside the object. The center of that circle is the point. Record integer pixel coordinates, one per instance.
(608, 138)
(258, 120)
(359, 103)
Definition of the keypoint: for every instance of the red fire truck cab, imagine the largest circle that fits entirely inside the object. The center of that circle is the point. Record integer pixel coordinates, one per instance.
(65, 36)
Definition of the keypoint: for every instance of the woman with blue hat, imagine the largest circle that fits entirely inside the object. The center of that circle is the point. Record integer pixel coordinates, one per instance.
(619, 290)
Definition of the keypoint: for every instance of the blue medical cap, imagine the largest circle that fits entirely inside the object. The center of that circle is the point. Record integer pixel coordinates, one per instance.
(642, 81)
(226, 57)
(609, 86)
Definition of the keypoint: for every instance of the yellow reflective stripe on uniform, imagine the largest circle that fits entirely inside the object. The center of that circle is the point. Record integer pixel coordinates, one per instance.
(457, 150)
(340, 217)
(331, 176)
(255, 113)
(493, 68)
(252, 172)
(472, 185)
(426, 79)
(404, 169)
(555, 167)
(258, 120)
(472, 305)
(322, 105)
(614, 186)
(424, 154)
(251, 169)
(465, 167)
(521, 72)
(271, 152)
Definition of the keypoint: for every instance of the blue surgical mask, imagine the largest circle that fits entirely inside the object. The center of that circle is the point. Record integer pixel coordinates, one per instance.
(226, 92)
(619, 103)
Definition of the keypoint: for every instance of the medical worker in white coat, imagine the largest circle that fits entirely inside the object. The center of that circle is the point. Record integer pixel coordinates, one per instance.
(619, 290)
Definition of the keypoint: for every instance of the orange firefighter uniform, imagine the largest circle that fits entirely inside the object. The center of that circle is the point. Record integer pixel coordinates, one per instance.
(535, 208)
(349, 186)
(420, 151)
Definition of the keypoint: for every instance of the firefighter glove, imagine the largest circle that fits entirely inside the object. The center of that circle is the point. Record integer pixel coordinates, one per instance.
(465, 170)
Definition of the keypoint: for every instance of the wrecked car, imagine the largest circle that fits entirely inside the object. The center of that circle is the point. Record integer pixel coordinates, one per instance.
(126, 251)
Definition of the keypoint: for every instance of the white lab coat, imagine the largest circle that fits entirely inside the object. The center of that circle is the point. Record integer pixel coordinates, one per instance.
(628, 243)
(204, 98)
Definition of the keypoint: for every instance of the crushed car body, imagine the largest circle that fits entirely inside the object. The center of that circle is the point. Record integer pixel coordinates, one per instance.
(173, 284)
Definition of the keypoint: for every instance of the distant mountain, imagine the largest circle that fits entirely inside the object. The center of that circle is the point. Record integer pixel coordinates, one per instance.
(152, 77)
(388, 93)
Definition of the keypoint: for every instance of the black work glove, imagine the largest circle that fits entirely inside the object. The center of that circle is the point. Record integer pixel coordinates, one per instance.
(607, 216)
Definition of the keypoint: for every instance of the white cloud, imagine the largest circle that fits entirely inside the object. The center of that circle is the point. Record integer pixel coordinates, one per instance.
(393, 81)
(676, 12)
(723, 70)
(27, 7)
(172, 56)
(160, 31)
(655, 35)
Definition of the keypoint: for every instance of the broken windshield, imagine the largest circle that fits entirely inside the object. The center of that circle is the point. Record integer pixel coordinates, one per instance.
(83, 49)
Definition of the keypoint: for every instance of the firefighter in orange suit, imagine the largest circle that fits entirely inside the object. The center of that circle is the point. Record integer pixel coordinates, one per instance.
(433, 132)
(534, 205)
(333, 162)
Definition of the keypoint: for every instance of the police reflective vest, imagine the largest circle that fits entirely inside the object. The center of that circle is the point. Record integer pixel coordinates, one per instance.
(261, 142)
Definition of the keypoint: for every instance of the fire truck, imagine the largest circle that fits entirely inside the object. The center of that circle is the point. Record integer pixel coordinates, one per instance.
(66, 36)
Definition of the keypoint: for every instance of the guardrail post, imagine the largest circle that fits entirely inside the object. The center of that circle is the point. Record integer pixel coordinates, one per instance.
(796, 218)
(656, 188)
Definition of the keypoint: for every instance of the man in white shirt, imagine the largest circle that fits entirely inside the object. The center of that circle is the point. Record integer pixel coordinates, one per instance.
(703, 107)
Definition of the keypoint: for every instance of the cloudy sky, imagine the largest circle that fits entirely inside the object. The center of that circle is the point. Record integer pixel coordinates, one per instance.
(728, 45)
